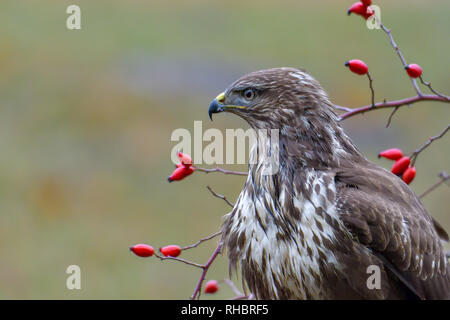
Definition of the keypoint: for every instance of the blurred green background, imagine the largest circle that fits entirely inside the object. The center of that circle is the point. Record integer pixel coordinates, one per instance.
(86, 118)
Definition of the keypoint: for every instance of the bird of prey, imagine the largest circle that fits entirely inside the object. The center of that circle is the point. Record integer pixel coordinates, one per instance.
(328, 219)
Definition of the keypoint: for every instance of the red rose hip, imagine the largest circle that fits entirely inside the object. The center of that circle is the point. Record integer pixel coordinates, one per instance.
(400, 165)
(357, 66)
(180, 172)
(185, 159)
(357, 8)
(211, 286)
(414, 70)
(409, 174)
(391, 154)
(360, 9)
(172, 251)
(142, 250)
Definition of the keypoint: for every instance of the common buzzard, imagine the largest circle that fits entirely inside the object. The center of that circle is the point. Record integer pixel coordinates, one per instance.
(328, 218)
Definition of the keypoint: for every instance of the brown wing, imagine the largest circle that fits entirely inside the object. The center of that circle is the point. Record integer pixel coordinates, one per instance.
(386, 216)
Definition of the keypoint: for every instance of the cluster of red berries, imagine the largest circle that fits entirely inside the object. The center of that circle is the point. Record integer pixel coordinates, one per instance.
(144, 250)
(183, 169)
(402, 166)
(361, 8)
(359, 67)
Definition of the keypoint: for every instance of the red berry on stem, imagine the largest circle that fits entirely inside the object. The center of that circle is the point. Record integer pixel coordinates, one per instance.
(368, 13)
(172, 250)
(180, 173)
(392, 154)
(185, 159)
(400, 165)
(360, 9)
(211, 286)
(357, 8)
(177, 174)
(414, 70)
(357, 66)
(409, 174)
(142, 250)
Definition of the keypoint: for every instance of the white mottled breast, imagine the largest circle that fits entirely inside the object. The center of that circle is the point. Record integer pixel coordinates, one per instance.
(295, 262)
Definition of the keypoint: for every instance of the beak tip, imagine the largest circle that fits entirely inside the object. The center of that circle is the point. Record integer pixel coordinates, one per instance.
(214, 107)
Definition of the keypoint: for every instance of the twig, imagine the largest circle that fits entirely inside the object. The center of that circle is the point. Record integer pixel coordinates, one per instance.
(234, 288)
(416, 152)
(244, 297)
(220, 196)
(371, 89)
(393, 104)
(428, 84)
(390, 117)
(342, 108)
(202, 240)
(224, 171)
(180, 260)
(400, 55)
(205, 267)
(443, 177)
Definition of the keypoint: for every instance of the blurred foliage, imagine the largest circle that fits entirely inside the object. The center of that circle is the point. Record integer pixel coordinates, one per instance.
(86, 118)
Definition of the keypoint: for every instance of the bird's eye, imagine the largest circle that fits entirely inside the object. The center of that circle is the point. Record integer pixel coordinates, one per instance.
(249, 94)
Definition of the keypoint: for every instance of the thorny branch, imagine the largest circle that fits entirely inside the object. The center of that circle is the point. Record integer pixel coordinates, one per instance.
(390, 104)
(397, 103)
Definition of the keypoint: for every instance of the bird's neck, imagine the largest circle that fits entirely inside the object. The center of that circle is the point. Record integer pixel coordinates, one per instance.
(307, 143)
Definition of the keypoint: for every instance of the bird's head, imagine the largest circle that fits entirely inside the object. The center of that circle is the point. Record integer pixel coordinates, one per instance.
(273, 98)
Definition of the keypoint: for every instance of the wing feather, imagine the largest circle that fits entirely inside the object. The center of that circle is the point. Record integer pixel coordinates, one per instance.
(385, 215)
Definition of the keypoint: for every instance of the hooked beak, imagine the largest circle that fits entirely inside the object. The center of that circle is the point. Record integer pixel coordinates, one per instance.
(216, 105)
